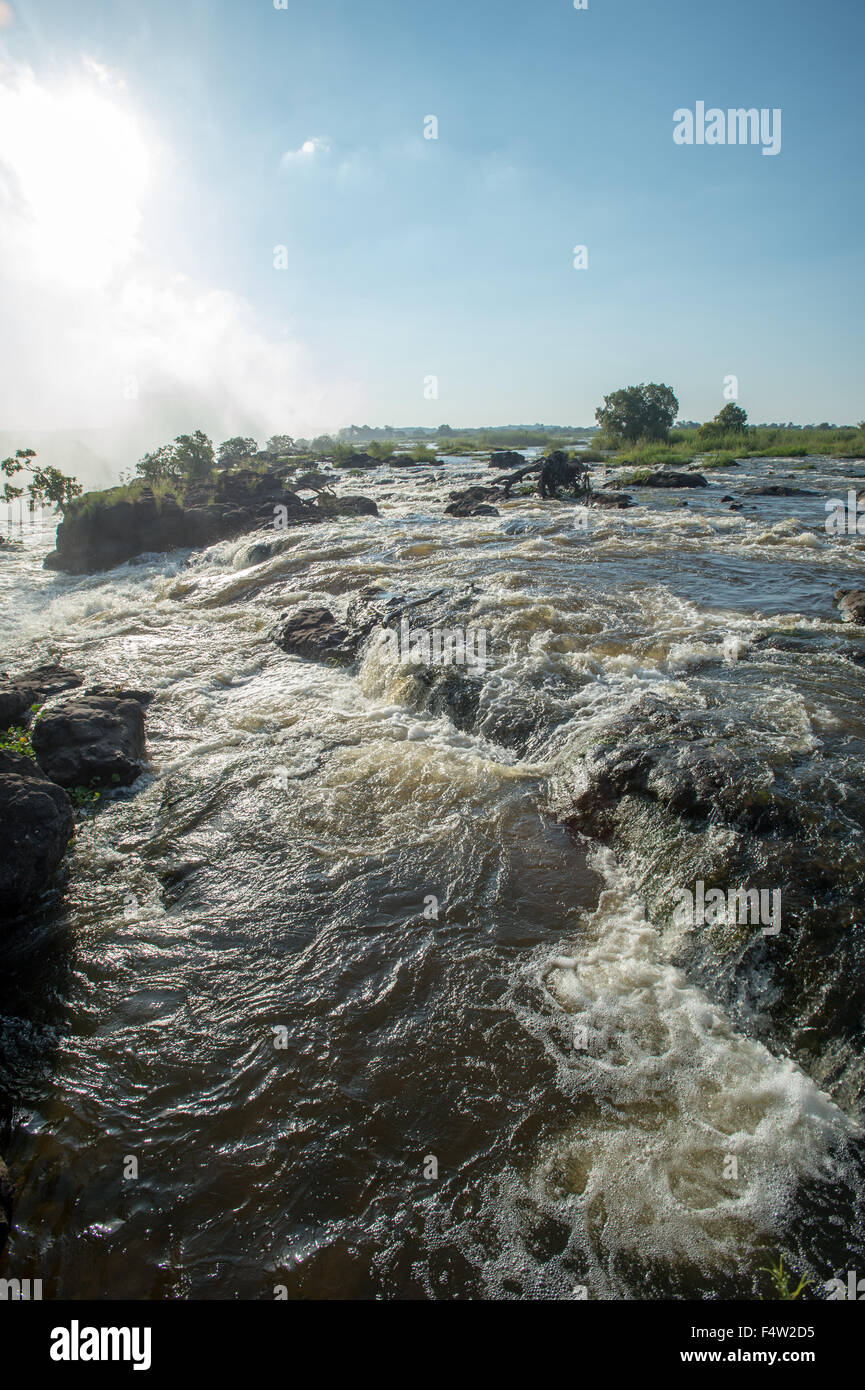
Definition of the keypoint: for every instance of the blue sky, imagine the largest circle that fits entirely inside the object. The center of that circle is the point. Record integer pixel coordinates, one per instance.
(409, 258)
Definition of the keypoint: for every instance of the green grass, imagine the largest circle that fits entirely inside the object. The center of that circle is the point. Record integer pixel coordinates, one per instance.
(720, 460)
(651, 456)
(762, 441)
(19, 739)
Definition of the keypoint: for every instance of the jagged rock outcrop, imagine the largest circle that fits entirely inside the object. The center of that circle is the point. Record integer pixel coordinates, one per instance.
(100, 531)
(38, 822)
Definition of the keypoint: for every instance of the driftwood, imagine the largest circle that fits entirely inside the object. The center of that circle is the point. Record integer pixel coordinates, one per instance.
(557, 474)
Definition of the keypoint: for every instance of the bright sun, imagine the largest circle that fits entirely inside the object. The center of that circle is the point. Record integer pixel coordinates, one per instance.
(74, 168)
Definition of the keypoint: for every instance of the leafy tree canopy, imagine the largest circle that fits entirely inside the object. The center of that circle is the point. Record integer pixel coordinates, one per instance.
(236, 449)
(46, 485)
(280, 444)
(638, 412)
(189, 459)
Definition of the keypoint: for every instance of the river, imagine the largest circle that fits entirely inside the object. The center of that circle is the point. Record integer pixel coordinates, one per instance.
(320, 978)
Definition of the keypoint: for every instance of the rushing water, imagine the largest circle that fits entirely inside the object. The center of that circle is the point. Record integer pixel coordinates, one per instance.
(274, 870)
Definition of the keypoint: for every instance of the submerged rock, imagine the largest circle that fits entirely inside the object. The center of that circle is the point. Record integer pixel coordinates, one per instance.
(781, 490)
(96, 740)
(38, 822)
(693, 796)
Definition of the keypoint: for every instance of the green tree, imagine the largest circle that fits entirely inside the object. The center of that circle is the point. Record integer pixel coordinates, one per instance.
(731, 420)
(638, 412)
(46, 485)
(193, 455)
(280, 444)
(235, 450)
(159, 466)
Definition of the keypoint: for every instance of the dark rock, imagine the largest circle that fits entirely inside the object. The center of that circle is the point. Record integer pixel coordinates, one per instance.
(781, 490)
(666, 477)
(473, 501)
(95, 740)
(657, 753)
(19, 693)
(345, 506)
(7, 1195)
(37, 822)
(728, 498)
(851, 603)
(612, 499)
(506, 458)
(314, 633)
(141, 697)
(109, 531)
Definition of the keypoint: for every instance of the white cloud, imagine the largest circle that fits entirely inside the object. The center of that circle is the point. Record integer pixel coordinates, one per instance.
(307, 152)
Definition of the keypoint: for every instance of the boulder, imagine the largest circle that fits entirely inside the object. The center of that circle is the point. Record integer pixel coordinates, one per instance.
(473, 501)
(331, 506)
(851, 603)
(97, 740)
(19, 693)
(38, 822)
(665, 477)
(506, 458)
(612, 499)
(314, 633)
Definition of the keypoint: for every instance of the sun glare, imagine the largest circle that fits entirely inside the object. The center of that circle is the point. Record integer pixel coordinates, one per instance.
(75, 168)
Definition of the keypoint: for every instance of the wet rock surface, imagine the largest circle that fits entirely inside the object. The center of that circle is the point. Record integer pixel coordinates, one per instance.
(38, 822)
(666, 477)
(20, 692)
(101, 536)
(851, 604)
(688, 796)
(473, 501)
(316, 634)
(94, 741)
